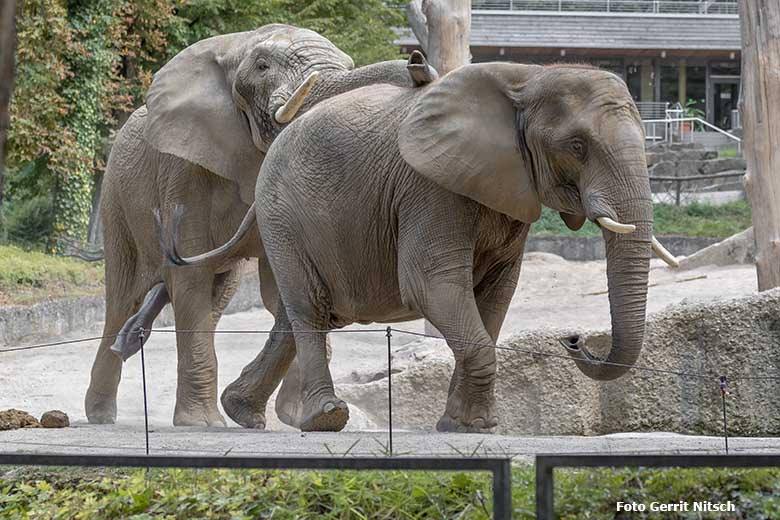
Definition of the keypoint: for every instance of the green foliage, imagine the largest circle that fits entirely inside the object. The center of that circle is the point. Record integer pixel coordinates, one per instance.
(82, 64)
(20, 269)
(221, 494)
(695, 220)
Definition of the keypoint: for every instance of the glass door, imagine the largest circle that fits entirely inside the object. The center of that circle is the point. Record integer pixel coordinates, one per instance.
(726, 97)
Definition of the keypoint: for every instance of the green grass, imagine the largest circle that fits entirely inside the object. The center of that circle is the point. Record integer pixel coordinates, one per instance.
(30, 275)
(694, 220)
(223, 494)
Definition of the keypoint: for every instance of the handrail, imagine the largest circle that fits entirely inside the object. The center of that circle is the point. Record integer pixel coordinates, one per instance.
(693, 7)
(698, 120)
(710, 176)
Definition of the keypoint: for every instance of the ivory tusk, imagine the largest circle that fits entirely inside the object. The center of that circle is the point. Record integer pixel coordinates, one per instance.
(615, 227)
(664, 254)
(287, 112)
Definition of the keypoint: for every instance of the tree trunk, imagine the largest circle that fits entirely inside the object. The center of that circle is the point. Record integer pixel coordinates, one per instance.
(443, 28)
(761, 123)
(7, 59)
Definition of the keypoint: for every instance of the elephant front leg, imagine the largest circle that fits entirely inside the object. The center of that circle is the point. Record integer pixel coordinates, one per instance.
(321, 410)
(245, 399)
(196, 389)
(471, 403)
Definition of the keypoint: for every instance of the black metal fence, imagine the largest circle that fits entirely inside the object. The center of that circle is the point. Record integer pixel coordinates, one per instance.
(546, 464)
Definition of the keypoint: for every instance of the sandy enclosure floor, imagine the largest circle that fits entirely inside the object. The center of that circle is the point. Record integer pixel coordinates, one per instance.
(552, 292)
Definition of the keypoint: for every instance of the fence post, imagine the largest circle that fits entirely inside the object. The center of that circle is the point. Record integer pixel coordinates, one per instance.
(390, 389)
(677, 194)
(544, 490)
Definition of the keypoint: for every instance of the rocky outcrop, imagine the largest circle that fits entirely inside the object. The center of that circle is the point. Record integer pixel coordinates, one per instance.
(692, 345)
(690, 159)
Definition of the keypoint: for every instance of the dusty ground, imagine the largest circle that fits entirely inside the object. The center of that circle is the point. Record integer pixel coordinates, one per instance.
(553, 292)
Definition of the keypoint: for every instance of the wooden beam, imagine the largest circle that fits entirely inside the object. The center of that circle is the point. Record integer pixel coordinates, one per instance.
(760, 109)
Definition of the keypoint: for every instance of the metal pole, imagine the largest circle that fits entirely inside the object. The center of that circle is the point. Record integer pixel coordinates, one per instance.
(143, 381)
(677, 195)
(544, 491)
(502, 490)
(390, 389)
(723, 393)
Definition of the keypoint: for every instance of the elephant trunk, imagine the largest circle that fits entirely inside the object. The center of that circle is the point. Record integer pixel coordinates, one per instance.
(334, 82)
(628, 264)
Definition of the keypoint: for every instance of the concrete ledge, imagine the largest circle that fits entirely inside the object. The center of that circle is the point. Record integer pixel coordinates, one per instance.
(592, 248)
(25, 324)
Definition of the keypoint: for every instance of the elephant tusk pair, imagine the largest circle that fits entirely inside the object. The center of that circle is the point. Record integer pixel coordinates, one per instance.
(658, 249)
(287, 112)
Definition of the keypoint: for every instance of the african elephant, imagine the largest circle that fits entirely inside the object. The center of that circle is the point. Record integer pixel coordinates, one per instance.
(211, 114)
(389, 204)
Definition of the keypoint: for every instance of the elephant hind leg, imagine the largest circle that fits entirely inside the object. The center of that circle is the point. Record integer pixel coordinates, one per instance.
(123, 293)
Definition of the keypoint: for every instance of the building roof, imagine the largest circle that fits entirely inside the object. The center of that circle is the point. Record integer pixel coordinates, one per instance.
(601, 31)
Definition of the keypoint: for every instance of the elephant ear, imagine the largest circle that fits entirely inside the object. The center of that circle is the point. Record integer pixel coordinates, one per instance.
(192, 114)
(462, 135)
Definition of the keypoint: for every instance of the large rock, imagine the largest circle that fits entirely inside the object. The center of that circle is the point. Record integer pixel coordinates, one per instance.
(539, 394)
(12, 419)
(736, 249)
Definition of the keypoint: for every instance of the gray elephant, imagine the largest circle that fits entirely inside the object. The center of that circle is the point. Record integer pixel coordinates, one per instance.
(390, 204)
(211, 114)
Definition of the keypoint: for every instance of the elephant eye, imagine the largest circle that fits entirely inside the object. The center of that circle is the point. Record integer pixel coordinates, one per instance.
(578, 147)
(261, 65)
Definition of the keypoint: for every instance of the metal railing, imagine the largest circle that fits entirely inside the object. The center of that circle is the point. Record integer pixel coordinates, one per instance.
(545, 464)
(702, 7)
(675, 129)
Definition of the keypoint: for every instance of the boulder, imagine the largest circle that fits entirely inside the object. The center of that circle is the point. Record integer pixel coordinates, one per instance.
(540, 393)
(722, 165)
(736, 249)
(12, 419)
(55, 419)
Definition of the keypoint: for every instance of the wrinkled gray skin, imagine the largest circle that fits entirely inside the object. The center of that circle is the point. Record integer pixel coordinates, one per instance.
(199, 142)
(389, 204)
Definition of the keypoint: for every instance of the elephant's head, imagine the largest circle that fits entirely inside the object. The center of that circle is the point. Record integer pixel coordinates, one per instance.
(220, 102)
(513, 137)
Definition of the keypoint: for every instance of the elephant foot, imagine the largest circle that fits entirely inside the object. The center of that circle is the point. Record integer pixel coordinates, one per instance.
(242, 410)
(100, 408)
(329, 414)
(197, 416)
(478, 425)
(289, 402)
(463, 416)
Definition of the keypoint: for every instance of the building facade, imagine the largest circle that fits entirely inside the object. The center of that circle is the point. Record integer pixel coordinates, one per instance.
(667, 51)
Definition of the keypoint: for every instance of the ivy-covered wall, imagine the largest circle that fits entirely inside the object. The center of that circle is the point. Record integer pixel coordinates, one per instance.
(83, 65)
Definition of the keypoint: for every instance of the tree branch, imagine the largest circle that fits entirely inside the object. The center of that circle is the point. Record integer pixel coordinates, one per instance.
(418, 22)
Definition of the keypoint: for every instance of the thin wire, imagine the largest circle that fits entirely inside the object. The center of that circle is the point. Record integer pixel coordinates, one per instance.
(569, 358)
(58, 343)
(679, 373)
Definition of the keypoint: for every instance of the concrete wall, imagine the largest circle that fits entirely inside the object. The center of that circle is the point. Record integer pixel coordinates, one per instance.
(592, 248)
(20, 325)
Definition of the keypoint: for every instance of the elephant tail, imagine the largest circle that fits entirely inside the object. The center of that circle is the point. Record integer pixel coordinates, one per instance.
(223, 252)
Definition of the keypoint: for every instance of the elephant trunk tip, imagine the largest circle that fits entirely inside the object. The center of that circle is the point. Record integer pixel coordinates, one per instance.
(592, 366)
